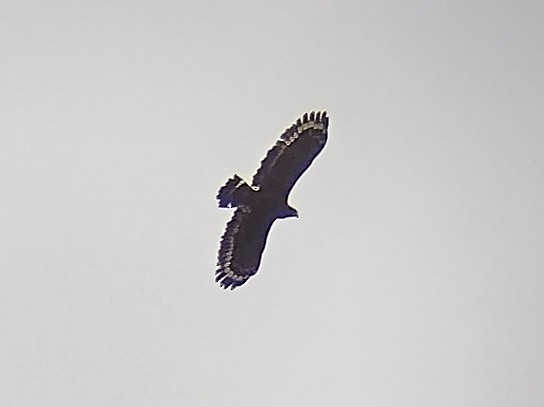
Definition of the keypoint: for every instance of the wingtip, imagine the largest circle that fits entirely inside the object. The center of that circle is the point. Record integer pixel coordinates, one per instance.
(319, 116)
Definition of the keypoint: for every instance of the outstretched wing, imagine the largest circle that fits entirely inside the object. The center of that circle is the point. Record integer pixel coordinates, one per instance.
(293, 153)
(242, 246)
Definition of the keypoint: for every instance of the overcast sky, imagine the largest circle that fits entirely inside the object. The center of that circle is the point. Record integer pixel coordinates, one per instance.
(414, 275)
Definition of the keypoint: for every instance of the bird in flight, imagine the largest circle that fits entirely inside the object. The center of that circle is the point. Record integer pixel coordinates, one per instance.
(259, 205)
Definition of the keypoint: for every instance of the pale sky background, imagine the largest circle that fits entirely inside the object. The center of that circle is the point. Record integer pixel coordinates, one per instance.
(414, 275)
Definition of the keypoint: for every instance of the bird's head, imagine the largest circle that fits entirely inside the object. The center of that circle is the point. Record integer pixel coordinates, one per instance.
(288, 212)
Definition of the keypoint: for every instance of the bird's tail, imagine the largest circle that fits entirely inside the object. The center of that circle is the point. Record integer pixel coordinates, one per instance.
(235, 192)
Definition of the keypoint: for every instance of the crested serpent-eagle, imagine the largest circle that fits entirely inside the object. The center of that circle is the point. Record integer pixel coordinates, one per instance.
(259, 205)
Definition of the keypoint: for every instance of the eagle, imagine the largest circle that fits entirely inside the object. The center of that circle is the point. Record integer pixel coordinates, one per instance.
(259, 205)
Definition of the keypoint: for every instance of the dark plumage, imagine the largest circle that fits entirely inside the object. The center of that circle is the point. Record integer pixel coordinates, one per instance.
(259, 205)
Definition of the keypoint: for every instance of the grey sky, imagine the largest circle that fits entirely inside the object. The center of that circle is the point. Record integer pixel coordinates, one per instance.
(414, 275)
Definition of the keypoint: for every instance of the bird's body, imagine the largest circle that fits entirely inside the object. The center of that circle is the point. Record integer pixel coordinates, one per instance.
(259, 205)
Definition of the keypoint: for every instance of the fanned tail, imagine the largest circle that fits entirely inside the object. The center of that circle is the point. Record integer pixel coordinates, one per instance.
(235, 192)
